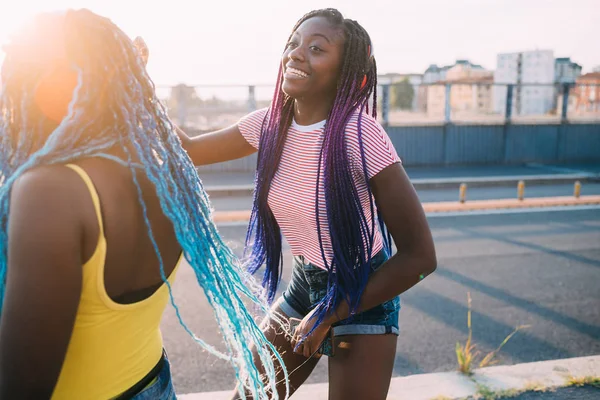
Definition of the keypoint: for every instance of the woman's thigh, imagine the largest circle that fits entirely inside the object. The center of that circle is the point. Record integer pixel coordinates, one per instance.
(362, 367)
(297, 366)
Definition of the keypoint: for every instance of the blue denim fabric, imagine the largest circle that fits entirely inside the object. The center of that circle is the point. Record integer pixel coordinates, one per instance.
(308, 286)
(162, 387)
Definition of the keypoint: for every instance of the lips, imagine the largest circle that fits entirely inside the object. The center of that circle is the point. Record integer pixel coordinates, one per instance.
(295, 73)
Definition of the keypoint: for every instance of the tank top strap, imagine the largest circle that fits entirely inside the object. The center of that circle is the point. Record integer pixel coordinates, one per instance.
(93, 193)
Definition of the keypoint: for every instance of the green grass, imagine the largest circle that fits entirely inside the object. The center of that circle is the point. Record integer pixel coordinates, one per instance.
(467, 354)
(485, 393)
(584, 381)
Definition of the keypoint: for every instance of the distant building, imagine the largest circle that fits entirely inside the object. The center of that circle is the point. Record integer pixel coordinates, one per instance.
(533, 74)
(587, 92)
(435, 74)
(464, 69)
(571, 104)
(436, 99)
(468, 95)
(483, 93)
(565, 70)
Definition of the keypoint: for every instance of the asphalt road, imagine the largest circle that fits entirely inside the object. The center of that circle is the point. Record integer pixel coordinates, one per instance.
(230, 203)
(213, 175)
(540, 269)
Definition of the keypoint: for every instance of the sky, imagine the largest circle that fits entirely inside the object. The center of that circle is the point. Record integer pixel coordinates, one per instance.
(240, 42)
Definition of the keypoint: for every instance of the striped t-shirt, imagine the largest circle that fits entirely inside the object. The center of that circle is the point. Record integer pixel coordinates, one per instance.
(292, 194)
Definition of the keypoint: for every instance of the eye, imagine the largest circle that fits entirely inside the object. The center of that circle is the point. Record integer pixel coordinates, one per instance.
(315, 48)
(291, 45)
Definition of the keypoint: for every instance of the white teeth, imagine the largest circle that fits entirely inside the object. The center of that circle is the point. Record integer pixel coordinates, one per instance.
(297, 72)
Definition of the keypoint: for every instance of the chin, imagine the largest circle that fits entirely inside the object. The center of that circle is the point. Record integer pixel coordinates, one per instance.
(292, 89)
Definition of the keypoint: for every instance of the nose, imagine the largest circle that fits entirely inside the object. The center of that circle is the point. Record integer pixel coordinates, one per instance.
(296, 54)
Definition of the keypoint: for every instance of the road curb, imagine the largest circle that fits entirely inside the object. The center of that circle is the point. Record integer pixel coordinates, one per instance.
(453, 385)
(455, 206)
(495, 181)
(477, 205)
(437, 183)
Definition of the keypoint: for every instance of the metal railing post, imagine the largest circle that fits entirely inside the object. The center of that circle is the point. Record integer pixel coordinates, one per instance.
(509, 99)
(447, 106)
(565, 102)
(385, 104)
(251, 98)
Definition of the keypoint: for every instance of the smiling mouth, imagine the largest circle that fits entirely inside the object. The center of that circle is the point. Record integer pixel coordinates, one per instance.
(296, 72)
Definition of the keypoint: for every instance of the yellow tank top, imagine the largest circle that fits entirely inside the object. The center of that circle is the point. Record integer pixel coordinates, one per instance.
(113, 346)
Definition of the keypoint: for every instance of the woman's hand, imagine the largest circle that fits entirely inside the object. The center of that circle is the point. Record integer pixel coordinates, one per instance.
(312, 343)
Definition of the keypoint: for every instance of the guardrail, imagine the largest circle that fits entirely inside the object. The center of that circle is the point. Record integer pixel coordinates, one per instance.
(210, 107)
(442, 124)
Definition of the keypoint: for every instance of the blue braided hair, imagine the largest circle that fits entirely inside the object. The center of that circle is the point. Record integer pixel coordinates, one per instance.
(350, 233)
(114, 110)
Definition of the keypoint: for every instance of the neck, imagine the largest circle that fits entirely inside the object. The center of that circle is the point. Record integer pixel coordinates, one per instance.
(311, 111)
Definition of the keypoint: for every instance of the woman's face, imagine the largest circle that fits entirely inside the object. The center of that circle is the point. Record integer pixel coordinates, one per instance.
(312, 59)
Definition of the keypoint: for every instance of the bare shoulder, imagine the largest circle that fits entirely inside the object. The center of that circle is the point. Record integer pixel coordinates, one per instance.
(45, 177)
(49, 192)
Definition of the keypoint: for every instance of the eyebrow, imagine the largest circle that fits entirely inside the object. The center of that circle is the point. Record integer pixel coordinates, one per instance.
(323, 36)
(315, 34)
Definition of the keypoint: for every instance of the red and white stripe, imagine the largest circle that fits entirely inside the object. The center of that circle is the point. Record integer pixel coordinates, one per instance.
(292, 194)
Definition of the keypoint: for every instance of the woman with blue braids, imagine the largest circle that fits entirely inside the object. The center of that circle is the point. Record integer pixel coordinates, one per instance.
(99, 204)
(327, 176)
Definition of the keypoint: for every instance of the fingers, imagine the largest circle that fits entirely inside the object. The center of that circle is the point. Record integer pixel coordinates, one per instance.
(297, 345)
(306, 348)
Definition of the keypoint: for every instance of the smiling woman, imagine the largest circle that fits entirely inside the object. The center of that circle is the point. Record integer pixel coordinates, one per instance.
(329, 180)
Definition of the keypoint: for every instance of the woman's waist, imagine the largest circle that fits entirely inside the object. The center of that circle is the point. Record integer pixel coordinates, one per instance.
(105, 364)
(315, 260)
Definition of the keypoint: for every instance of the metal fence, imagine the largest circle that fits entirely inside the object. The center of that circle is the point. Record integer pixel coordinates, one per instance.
(490, 103)
(506, 144)
(433, 124)
(210, 107)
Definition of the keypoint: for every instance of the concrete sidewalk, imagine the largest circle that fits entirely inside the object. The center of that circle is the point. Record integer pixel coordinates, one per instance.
(241, 183)
(507, 380)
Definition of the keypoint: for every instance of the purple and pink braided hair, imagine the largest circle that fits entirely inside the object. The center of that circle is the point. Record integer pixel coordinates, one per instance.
(350, 233)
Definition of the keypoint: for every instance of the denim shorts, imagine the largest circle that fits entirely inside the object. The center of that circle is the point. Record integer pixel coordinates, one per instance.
(308, 286)
(161, 387)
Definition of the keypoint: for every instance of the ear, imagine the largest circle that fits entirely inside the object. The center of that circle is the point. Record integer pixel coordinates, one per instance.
(55, 91)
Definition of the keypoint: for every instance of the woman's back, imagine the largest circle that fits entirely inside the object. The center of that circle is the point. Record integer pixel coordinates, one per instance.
(132, 271)
(81, 289)
(115, 337)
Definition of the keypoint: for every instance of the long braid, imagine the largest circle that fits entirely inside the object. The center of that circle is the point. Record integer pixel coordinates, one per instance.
(350, 233)
(114, 106)
(263, 239)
